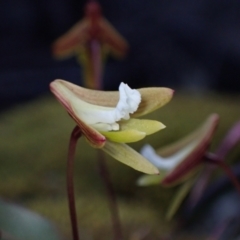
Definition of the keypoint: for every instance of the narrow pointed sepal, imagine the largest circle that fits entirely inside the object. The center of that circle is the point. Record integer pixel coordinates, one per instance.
(133, 130)
(68, 44)
(130, 157)
(125, 136)
(147, 180)
(142, 125)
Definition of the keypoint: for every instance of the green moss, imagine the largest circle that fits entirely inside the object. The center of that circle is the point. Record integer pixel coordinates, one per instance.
(33, 149)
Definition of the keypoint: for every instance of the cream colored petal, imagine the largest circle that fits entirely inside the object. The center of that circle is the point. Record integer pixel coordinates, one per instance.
(125, 136)
(142, 125)
(65, 91)
(94, 137)
(95, 97)
(151, 98)
(129, 156)
(94, 114)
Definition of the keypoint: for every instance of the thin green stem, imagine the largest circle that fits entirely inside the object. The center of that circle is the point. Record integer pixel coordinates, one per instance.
(76, 134)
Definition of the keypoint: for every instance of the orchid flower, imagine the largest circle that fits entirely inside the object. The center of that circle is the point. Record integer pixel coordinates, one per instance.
(181, 162)
(91, 39)
(188, 162)
(107, 119)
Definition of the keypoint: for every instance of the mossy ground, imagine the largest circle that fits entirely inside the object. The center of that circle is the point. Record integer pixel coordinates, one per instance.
(33, 148)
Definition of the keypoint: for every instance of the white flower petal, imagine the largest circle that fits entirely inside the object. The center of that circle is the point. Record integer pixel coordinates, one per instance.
(167, 163)
(129, 100)
(105, 118)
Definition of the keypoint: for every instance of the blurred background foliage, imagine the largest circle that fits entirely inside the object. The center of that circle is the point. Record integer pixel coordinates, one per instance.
(33, 150)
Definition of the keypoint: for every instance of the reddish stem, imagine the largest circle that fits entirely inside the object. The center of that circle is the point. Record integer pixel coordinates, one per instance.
(117, 229)
(76, 134)
(95, 47)
(212, 158)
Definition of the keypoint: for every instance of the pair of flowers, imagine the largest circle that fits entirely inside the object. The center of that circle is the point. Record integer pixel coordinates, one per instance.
(107, 120)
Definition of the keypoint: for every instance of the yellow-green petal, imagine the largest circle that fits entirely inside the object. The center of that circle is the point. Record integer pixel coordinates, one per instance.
(130, 157)
(125, 136)
(142, 125)
(147, 180)
(152, 99)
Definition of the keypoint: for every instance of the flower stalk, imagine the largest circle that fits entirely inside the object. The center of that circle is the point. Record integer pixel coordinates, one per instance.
(76, 134)
(104, 118)
(214, 159)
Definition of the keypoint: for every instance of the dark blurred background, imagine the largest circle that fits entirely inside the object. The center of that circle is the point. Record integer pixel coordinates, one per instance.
(188, 44)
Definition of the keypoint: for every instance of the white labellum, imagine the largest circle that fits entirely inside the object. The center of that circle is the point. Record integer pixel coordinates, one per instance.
(105, 118)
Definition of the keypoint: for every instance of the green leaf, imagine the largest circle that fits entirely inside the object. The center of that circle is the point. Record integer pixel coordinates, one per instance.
(22, 224)
(179, 197)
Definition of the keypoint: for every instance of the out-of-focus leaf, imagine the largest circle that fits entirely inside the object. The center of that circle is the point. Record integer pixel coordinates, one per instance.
(179, 197)
(6, 236)
(21, 224)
